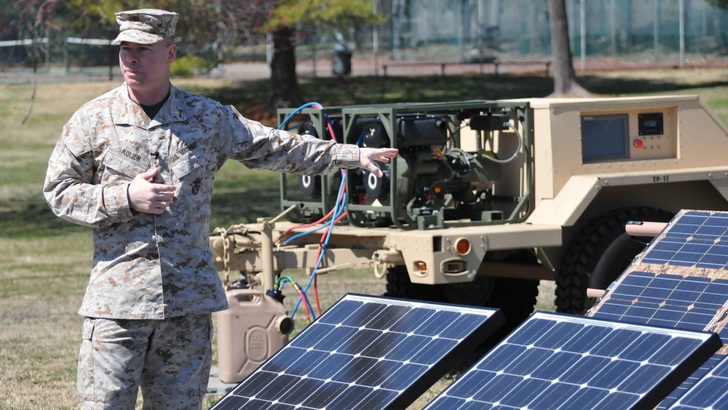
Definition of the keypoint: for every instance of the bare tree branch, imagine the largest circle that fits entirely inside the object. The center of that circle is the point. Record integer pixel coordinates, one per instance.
(36, 24)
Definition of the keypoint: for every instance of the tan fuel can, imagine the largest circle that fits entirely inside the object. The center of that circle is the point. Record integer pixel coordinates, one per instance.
(251, 330)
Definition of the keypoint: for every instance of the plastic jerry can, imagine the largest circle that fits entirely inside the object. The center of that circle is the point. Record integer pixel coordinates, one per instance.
(251, 330)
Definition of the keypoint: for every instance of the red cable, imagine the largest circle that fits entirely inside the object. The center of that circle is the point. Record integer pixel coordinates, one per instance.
(310, 224)
(302, 296)
(331, 131)
(316, 295)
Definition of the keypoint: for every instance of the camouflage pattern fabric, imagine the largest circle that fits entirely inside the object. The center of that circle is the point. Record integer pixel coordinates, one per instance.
(145, 26)
(148, 266)
(170, 357)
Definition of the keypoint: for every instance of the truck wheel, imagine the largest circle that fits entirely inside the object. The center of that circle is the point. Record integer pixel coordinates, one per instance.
(599, 253)
(400, 286)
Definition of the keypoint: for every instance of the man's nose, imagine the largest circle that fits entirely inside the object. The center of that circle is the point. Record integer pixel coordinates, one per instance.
(131, 56)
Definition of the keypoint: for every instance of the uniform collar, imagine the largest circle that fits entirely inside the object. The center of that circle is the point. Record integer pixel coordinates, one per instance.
(125, 111)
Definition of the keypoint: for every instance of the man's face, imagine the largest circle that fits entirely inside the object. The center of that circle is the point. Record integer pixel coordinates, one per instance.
(146, 65)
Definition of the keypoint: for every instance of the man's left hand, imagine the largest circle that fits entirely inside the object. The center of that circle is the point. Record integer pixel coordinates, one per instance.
(369, 156)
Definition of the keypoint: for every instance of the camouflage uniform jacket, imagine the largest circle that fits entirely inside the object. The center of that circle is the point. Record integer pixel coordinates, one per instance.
(148, 266)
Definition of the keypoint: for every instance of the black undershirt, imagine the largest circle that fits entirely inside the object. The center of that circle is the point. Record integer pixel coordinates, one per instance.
(152, 110)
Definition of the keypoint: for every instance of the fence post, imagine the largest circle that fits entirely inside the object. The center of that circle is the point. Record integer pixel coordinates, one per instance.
(111, 62)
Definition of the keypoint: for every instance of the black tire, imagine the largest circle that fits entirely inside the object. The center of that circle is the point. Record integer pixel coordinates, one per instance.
(599, 253)
(400, 286)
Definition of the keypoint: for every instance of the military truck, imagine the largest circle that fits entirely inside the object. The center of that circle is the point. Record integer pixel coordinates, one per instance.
(487, 198)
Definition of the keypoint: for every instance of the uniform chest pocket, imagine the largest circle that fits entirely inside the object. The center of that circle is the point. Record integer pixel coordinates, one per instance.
(187, 163)
(120, 166)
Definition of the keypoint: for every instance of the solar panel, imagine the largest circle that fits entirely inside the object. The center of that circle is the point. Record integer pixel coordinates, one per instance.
(573, 362)
(679, 281)
(669, 300)
(710, 392)
(693, 238)
(365, 352)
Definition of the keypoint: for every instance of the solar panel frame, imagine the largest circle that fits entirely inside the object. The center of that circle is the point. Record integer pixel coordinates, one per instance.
(550, 361)
(319, 368)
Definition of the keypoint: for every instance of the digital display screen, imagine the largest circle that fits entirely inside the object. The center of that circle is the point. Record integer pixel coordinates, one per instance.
(604, 137)
(650, 123)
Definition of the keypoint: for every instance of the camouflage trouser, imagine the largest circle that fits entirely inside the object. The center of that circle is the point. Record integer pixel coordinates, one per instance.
(170, 359)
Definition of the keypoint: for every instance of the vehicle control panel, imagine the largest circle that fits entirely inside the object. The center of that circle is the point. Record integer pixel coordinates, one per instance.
(628, 136)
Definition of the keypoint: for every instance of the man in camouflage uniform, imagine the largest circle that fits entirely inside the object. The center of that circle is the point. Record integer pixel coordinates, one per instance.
(138, 165)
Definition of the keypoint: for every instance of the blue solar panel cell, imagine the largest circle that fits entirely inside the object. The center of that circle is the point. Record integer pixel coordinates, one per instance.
(633, 284)
(667, 317)
(668, 245)
(717, 259)
(561, 361)
(696, 319)
(688, 290)
(661, 287)
(710, 231)
(365, 352)
(714, 296)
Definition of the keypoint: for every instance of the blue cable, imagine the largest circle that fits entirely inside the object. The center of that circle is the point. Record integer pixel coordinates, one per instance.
(296, 111)
(338, 210)
(336, 214)
(308, 302)
(343, 181)
(312, 230)
(298, 235)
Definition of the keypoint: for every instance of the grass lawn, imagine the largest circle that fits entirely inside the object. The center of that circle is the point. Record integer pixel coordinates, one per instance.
(46, 261)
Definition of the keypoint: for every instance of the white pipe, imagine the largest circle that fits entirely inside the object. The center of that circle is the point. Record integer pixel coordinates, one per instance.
(595, 293)
(644, 228)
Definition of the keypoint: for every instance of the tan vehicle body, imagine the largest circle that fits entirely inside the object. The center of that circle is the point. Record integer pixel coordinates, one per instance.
(668, 152)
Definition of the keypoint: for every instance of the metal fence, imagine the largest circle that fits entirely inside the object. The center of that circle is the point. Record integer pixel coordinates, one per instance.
(677, 32)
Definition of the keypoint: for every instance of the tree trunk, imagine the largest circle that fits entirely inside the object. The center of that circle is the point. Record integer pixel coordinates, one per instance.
(565, 84)
(283, 81)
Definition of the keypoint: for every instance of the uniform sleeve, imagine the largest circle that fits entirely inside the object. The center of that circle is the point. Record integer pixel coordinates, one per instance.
(69, 186)
(258, 146)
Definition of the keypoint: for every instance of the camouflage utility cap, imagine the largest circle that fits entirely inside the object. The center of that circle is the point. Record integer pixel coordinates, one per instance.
(145, 26)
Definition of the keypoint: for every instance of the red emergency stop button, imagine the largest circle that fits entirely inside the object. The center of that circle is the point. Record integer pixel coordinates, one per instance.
(638, 143)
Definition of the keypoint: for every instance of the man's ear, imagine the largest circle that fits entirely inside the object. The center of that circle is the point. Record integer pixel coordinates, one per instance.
(172, 52)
